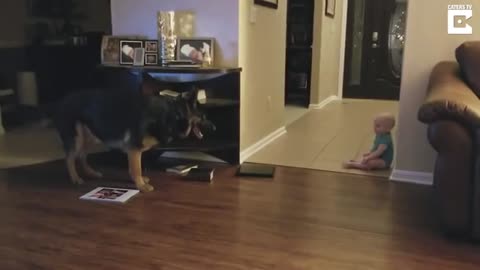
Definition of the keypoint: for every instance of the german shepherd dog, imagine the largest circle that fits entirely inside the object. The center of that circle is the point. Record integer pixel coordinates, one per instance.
(125, 120)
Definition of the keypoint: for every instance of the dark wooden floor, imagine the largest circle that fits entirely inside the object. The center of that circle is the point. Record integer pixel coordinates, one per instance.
(302, 219)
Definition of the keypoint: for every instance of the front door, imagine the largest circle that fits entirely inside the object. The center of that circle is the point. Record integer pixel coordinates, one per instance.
(374, 49)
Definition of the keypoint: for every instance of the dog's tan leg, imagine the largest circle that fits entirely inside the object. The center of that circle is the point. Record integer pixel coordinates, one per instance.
(72, 170)
(135, 170)
(148, 143)
(146, 179)
(88, 141)
(73, 155)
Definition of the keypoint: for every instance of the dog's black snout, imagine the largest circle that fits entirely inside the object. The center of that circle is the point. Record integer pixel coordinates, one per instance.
(208, 126)
(212, 126)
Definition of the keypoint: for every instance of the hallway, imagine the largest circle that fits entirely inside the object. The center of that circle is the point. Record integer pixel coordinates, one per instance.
(323, 139)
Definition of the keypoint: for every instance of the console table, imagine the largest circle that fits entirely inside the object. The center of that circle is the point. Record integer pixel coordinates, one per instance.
(222, 107)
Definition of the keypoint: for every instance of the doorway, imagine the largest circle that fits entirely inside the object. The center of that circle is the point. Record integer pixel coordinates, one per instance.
(374, 49)
(299, 42)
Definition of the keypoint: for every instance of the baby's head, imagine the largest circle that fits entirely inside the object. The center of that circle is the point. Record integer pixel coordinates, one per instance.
(383, 123)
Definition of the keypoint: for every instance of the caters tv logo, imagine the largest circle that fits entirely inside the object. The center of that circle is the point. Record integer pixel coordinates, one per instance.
(458, 17)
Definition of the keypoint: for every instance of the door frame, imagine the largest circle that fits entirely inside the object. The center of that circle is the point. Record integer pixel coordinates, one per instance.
(343, 44)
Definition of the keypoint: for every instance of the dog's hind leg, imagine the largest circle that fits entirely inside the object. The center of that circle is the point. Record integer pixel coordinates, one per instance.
(88, 141)
(74, 154)
(72, 170)
(89, 171)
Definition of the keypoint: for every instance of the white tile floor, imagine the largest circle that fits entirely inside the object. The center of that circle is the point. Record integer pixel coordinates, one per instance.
(293, 113)
(323, 139)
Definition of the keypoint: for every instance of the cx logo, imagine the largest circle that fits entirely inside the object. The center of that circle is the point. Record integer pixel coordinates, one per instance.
(458, 17)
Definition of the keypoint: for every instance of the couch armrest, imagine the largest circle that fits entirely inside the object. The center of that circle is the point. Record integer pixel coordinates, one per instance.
(449, 97)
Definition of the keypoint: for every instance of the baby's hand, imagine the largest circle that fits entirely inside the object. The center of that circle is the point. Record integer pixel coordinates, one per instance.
(365, 159)
(365, 154)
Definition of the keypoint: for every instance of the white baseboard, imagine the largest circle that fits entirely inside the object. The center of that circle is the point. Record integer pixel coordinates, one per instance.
(245, 154)
(421, 178)
(324, 103)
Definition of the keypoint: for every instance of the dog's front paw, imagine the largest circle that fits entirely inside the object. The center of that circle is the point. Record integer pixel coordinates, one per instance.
(145, 188)
(94, 174)
(77, 181)
(146, 179)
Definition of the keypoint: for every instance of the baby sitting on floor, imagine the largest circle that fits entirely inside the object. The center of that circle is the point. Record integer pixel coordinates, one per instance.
(381, 154)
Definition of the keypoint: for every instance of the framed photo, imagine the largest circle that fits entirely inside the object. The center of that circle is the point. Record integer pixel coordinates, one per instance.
(151, 59)
(267, 3)
(139, 57)
(151, 46)
(127, 51)
(198, 50)
(330, 8)
(106, 194)
(110, 51)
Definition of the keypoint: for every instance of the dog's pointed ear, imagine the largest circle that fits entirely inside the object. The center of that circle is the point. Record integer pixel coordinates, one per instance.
(191, 97)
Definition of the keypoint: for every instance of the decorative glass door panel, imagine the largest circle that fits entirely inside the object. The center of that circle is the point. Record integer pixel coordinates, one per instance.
(374, 49)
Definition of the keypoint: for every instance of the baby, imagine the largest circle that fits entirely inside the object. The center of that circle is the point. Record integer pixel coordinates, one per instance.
(381, 154)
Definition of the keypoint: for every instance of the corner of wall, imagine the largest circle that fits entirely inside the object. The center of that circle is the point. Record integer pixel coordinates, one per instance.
(316, 52)
(327, 57)
(262, 58)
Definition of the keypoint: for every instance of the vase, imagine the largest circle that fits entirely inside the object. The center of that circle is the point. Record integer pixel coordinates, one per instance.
(166, 36)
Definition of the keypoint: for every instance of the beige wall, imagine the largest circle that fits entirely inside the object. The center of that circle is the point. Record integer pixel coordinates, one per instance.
(326, 52)
(427, 43)
(262, 56)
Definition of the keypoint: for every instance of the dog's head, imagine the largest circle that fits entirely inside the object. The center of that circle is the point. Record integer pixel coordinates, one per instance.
(190, 118)
(178, 117)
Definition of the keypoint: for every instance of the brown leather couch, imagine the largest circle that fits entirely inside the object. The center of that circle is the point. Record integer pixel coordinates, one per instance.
(452, 112)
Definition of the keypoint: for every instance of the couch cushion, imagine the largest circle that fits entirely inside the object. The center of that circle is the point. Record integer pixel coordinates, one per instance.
(468, 57)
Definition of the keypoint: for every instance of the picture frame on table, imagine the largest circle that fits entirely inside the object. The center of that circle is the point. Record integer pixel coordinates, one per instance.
(267, 3)
(330, 8)
(151, 59)
(110, 48)
(139, 57)
(199, 50)
(151, 46)
(127, 51)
